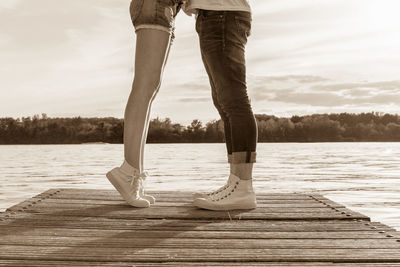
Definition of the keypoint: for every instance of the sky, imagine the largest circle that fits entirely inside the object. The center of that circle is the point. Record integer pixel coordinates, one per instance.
(71, 58)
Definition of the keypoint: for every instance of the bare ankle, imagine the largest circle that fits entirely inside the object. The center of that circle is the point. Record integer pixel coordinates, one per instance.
(242, 170)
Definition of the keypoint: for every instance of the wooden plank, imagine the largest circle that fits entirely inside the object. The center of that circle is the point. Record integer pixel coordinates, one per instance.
(376, 264)
(198, 254)
(348, 212)
(151, 233)
(47, 205)
(187, 214)
(113, 197)
(112, 194)
(40, 263)
(94, 199)
(187, 202)
(116, 196)
(120, 241)
(163, 192)
(199, 227)
(57, 220)
(157, 212)
(44, 263)
(59, 216)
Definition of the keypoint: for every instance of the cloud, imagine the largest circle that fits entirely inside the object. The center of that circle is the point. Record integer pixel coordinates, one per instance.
(383, 85)
(194, 99)
(76, 58)
(196, 84)
(9, 4)
(288, 78)
(319, 92)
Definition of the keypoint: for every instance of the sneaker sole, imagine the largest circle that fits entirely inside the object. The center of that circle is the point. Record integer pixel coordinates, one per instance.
(113, 181)
(207, 206)
(199, 195)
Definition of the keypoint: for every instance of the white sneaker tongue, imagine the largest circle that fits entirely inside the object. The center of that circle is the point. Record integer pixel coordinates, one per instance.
(233, 178)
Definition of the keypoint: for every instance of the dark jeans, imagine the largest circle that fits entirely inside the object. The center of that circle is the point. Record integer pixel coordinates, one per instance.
(223, 36)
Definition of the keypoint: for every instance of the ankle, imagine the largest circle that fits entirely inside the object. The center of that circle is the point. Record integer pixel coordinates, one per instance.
(241, 175)
(242, 170)
(245, 178)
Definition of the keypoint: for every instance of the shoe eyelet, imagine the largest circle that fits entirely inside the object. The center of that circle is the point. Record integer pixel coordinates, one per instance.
(233, 190)
(237, 182)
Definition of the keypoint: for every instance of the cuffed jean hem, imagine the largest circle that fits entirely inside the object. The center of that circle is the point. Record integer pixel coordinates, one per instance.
(154, 27)
(157, 27)
(242, 157)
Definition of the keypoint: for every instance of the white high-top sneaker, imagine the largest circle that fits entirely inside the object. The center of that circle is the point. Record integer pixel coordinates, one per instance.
(213, 193)
(238, 195)
(128, 186)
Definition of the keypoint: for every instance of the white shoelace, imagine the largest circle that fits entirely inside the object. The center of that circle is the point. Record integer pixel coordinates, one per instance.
(218, 191)
(141, 175)
(133, 183)
(225, 193)
(136, 180)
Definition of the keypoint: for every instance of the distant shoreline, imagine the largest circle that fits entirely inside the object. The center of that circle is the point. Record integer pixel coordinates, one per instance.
(343, 127)
(283, 142)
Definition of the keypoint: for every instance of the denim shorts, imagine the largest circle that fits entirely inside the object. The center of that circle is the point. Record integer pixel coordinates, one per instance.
(155, 14)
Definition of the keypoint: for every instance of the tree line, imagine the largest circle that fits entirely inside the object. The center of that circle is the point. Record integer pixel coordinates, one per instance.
(343, 127)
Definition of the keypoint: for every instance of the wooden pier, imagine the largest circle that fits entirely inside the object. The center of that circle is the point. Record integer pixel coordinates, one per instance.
(71, 227)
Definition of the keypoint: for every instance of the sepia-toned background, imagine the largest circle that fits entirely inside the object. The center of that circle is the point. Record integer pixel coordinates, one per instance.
(70, 58)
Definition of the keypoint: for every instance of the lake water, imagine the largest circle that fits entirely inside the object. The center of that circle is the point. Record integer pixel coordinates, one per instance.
(363, 176)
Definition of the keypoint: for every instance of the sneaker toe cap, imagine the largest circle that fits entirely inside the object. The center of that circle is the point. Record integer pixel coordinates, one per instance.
(139, 203)
(150, 199)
